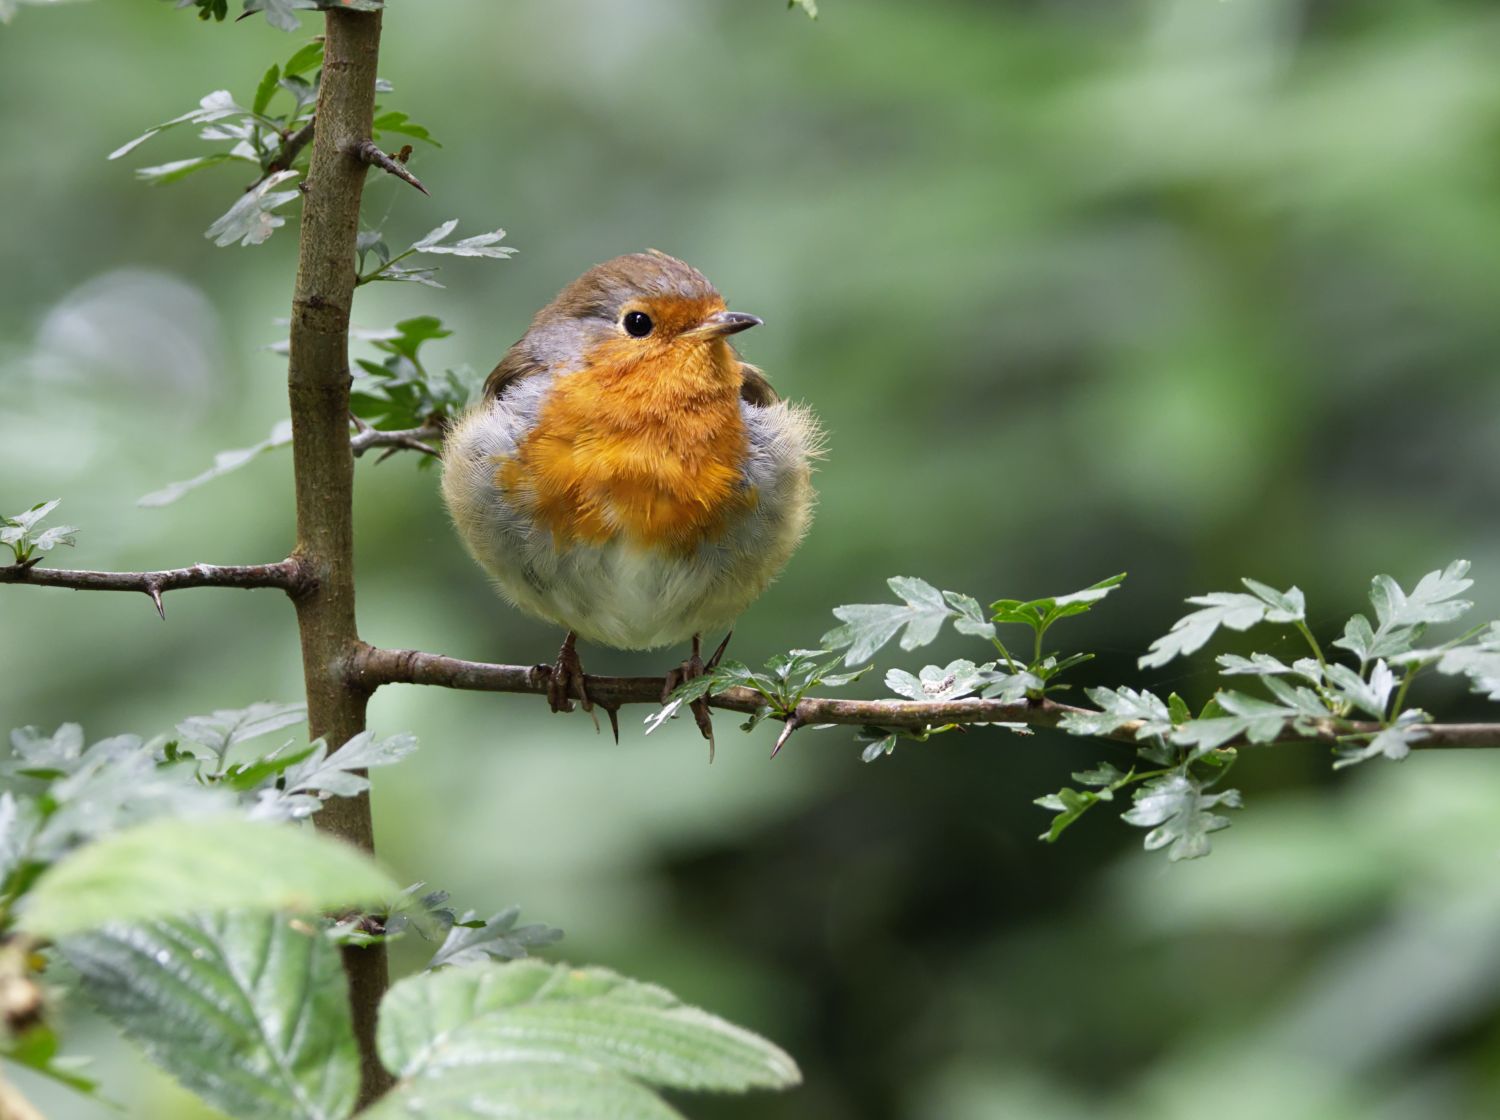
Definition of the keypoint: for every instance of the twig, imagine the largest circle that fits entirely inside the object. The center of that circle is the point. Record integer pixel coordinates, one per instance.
(290, 147)
(410, 439)
(371, 153)
(285, 575)
(370, 667)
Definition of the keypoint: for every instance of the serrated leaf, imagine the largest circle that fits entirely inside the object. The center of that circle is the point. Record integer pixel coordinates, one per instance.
(1431, 601)
(1230, 609)
(1178, 810)
(227, 728)
(1372, 696)
(868, 626)
(249, 1011)
(498, 938)
(1068, 804)
(480, 245)
(1394, 742)
(536, 1089)
(213, 107)
(492, 1016)
(936, 683)
(971, 618)
(224, 462)
(165, 173)
(1119, 706)
(334, 774)
(169, 867)
(252, 219)
(282, 14)
(1264, 665)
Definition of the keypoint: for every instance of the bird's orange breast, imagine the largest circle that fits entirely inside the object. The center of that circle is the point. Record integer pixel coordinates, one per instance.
(646, 448)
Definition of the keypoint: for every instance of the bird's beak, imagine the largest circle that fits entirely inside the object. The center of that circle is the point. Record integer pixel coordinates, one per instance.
(721, 323)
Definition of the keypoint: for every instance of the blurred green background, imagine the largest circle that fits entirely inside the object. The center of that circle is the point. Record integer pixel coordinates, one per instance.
(1191, 289)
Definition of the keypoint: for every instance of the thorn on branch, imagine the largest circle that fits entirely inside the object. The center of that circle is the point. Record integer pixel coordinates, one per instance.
(793, 722)
(370, 152)
(154, 591)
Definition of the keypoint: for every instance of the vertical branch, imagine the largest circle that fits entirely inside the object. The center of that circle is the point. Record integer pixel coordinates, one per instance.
(318, 385)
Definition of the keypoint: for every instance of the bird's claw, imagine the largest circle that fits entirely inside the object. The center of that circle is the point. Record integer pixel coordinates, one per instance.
(691, 669)
(566, 678)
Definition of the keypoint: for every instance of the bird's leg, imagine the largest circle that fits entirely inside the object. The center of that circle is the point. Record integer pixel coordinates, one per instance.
(691, 669)
(567, 671)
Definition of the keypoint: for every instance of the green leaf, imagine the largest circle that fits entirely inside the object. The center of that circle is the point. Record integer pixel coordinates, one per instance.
(226, 729)
(213, 107)
(1264, 665)
(971, 618)
(36, 1048)
(489, 1017)
(251, 1012)
(935, 683)
(269, 83)
(1431, 601)
(1178, 810)
(224, 462)
(534, 1089)
(1231, 609)
(868, 626)
(499, 938)
(169, 867)
(1257, 720)
(1039, 614)
(1119, 706)
(251, 219)
(808, 6)
(1372, 696)
(1069, 805)
(318, 775)
(1393, 742)
(480, 245)
(400, 123)
(165, 173)
(307, 57)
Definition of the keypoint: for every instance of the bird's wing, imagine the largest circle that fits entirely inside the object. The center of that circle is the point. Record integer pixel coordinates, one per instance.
(755, 389)
(517, 364)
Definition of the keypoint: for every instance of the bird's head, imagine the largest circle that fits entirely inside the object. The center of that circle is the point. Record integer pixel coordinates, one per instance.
(642, 310)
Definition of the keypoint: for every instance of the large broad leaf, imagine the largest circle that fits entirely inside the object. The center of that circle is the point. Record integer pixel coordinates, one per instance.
(170, 867)
(522, 1090)
(498, 1025)
(250, 1011)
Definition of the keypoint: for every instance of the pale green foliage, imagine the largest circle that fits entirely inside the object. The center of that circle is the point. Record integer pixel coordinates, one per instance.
(200, 864)
(250, 1011)
(20, 532)
(224, 462)
(532, 1039)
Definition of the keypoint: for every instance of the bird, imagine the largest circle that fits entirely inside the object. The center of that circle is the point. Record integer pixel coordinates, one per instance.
(626, 475)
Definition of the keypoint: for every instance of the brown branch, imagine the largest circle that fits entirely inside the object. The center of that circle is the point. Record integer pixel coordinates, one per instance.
(285, 575)
(291, 147)
(371, 153)
(318, 387)
(372, 667)
(408, 439)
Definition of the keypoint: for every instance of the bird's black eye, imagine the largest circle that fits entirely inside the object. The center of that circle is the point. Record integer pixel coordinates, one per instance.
(638, 324)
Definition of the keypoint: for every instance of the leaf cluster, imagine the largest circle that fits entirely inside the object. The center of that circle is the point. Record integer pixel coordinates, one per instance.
(398, 391)
(22, 534)
(270, 132)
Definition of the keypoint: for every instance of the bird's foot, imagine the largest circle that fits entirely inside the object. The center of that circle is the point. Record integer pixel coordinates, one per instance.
(691, 669)
(566, 680)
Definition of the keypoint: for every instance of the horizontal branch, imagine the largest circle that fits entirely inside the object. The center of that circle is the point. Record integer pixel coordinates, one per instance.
(370, 667)
(285, 575)
(410, 439)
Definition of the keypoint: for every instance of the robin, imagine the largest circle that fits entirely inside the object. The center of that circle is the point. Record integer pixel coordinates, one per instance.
(625, 474)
